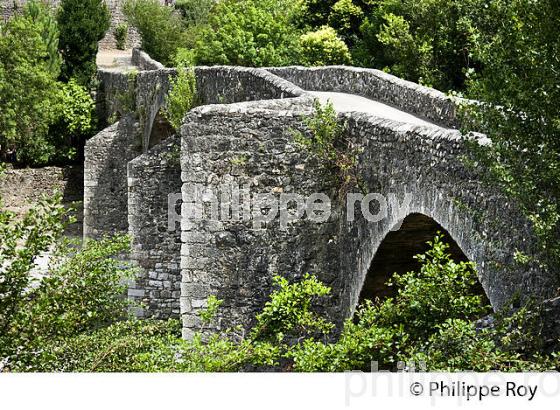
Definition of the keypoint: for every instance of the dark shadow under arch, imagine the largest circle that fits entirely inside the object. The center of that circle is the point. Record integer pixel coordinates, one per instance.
(161, 130)
(396, 254)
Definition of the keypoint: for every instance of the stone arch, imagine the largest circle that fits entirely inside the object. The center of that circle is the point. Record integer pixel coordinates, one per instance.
(160, 130)
(428, 201)
(396, 252)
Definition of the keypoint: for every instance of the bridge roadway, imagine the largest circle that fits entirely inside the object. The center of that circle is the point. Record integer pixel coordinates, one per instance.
(343, 102)
(118, 60)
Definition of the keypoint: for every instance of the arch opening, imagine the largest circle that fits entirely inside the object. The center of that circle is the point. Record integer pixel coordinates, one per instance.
(161, 130)
(396, 255)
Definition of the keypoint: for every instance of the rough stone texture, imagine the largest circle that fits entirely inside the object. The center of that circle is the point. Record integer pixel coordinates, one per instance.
(424, 161)
(425, 102)
(235, 262)
(105, 178)
(228, 258)
(156, 249)
(243, 135)
(22, 188)
(215, 85)
(113, 93)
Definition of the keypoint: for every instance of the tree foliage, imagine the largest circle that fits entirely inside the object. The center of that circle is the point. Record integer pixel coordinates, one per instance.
(249, 33)
(519, 84)
(323, 47)
(82, 24)
(161, 28)
(28, 89)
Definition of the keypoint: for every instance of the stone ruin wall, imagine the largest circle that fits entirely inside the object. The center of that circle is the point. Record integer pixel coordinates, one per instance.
(127, 181)
(250, 117)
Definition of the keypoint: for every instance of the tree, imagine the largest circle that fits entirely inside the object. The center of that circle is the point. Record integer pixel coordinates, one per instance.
(519, 84)
(28, 90)
(82, 25)
(44, 18)
(250, 33)
(427, 41)
(160, 27)
(323, 47)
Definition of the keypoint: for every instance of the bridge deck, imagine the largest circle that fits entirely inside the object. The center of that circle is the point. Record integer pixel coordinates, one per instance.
(344, 102)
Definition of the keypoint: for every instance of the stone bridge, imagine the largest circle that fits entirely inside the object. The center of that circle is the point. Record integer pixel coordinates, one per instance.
(191, 202)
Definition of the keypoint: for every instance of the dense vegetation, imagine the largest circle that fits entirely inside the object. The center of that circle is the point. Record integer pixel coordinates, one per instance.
(47, 64)
(75, 319)
(504, 53)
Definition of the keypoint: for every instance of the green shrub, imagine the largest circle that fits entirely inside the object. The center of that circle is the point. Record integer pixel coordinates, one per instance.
(82, 24)
(386, 331)
(249, 33)
(75, 122)
(195, 12)
(346, 17)
(327, 143)
(22, 241)
(161, 28)
(28, 90)
(81, 291)
(289, 311)
(182, 94)
(323, 47)
(519, 81)
(44, 19)
(119, 347)
(121, 35)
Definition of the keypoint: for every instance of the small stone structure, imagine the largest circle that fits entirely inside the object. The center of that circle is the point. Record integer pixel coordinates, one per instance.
(242, 135)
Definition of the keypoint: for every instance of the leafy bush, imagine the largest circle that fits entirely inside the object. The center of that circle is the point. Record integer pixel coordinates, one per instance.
(119, 347)
(195, 12)
(182, 93)
(44, 19)
(289, 312)
(82, 25)
(22, 241)
(520, 76)
(161, 28)
(28, 90)
(121, 35)
(327, 143)
(81, 291)
(249, 33)
(323, 47)
(346, 17)
(75, 122)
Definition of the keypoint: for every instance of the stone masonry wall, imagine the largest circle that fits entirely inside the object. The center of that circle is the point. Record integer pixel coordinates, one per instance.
(236, 262)
(152, 177)
(249, 146)
(424, 162)
(425, 102)
(244, 136)
(105, 178)
(145, 92)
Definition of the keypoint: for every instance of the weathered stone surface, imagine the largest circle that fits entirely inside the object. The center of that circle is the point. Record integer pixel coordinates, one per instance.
(425, 102)
(243, 135)
(105, 178)
(156, 249)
